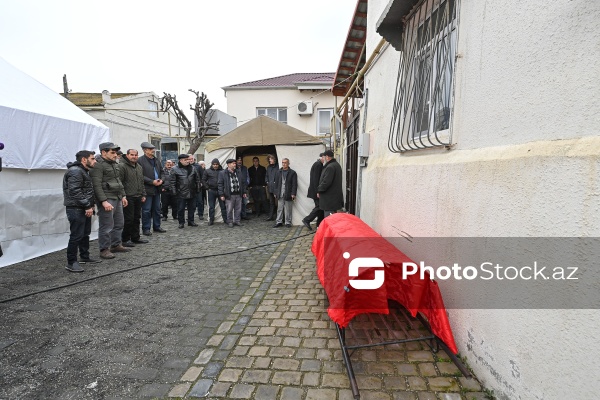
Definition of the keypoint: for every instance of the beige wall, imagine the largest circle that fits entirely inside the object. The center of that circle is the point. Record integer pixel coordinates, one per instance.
(242, 104)
(525, 163)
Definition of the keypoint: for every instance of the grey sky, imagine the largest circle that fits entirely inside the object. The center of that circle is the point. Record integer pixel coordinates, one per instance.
(150, 45)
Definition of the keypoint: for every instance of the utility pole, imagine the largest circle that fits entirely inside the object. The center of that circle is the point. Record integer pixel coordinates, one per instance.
(65, 86)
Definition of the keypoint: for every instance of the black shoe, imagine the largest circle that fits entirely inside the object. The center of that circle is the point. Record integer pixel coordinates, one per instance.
(174, 217)
(147, 233)
(277, 225)
(164, 218)
(75, 267)
(270, 219)
(245, 217)
(160, 230)
(89, 261)
(237, 224)
(140, 241)
(307, 225)
(288, 225)
(181, 226)
(211, 223)
(128, 243)
(192, 224)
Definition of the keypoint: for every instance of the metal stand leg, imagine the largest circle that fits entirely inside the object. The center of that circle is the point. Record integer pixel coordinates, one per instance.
(342, 337)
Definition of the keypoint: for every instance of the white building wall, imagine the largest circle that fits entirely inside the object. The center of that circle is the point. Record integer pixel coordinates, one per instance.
(525, 163)
(242, 104)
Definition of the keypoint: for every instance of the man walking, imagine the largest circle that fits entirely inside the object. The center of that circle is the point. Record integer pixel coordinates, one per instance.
(315, 176)
(132, 176)
(258, 177)
(232, 190)
(153, 181)
(184, 184)
(110, 197)
(329, 191)
(167, 197)
(285, 192)
(211, 182)
(272, 170)
(78, 193)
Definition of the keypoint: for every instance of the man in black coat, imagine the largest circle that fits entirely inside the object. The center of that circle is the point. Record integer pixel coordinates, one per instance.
(153, 180)
(79, 200)
(286, 186)
(210, 181)
(330, 191)
(185, 183)
(258, 176)
(315, 176)
(272, 170)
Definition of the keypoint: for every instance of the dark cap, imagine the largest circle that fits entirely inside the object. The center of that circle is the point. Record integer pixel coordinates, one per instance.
(328, 153)
(231, 160)
(146, 145)
(183, 156)
(108, 146)
(215, 161)
(119, 153)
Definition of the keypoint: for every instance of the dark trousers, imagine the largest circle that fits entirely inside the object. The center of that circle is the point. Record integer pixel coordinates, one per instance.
(168, 199)
(213, 196)
(80, 226)
(258, 195)
(191, 207)
(132, 215)
(315, 213)
(200, 204)
(272, 205)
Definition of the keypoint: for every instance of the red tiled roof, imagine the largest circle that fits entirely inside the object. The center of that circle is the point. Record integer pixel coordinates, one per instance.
(286, 81)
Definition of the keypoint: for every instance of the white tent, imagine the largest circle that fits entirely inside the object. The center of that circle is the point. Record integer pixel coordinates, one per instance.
(41, 131)
(301, 148)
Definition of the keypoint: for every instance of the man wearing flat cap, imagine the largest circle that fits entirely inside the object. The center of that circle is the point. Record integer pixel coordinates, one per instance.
(110, 197)
(153, 180)
(232, 189)
(184, 184)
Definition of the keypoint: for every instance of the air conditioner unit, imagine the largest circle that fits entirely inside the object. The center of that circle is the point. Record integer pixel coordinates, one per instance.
(305, 108)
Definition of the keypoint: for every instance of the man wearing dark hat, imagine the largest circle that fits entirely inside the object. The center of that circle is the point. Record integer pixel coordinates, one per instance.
(232, 190)
(153, 180)
(330, 191)
(211, 182)
(315, 176)
(185, 183)
(110, 197)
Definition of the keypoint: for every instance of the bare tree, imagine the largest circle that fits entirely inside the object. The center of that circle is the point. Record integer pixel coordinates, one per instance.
(202, 111)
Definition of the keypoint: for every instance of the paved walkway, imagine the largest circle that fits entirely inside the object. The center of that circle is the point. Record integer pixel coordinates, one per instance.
(248, 325)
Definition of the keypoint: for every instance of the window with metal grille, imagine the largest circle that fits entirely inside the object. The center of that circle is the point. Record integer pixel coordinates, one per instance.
(423, 100)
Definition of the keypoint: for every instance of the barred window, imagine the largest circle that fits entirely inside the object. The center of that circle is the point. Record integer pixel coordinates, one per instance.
(423, 100)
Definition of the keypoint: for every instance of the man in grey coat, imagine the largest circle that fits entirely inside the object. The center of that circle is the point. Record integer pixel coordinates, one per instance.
(330, 191)
(286, 186)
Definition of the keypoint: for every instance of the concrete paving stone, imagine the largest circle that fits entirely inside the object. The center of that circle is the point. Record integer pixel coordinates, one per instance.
(367, 355)
(240, 362)
(306, 353)
(290, 393)
(262, 362)
(420, 355)
(215, 340)
(179, 390)
(287, 378)
(394, 383)
(270, 340)
(266, 392)
(247, 340)
(334, 366)
(273, 315)
(154, 390)
(404, 396)
(300, 309)
(476, 396)
(310, 365)
(256, 376)
(282, 352)
(285, 364)
(220, 355)
(240, 350)
(416, 383)
(219, 389)
(225, 326)
(293, 332)
(230, 375)
(324, 354)
(279, 323)
(384, 368)
(369, 382)
(374, 395)
(290, 315)
(393, 355)
(469, 384)
(345, 394)
(320, 394)
(266, 331)
(425, 369)
(333, 343)
(212, 369)
(201, 388)
(316, 343)
(325, 333)
(292, 342)
(260, 322)
(204, 356)
(228, 342)
(311, 379)
(257, 351)
(241, 391)
(449, 396)
(444, 384)
(426, 396)
(336, 380)
(448, 368)
(250, 330)
(192, 374)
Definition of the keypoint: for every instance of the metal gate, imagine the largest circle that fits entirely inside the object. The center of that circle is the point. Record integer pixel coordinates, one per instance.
(352, 131)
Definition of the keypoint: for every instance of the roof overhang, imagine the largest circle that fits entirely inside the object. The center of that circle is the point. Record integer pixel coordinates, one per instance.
(390, 24)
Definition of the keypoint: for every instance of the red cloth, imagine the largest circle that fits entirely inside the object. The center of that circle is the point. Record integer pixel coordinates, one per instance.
(344, 233)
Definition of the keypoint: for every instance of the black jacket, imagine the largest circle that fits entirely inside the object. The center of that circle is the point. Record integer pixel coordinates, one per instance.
(258, 176)
(315, 176)
(167, 174)
(271, 175)
(210, 179)
(291, 184)
(184, 181)
(200, 172)
(331, 195)
(225, 185)
(146, 164)
(78, 190)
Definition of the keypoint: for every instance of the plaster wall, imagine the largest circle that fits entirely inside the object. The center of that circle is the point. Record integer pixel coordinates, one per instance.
(525, 163)
(242, 104)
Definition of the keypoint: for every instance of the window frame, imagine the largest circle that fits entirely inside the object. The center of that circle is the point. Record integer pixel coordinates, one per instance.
(279, 110)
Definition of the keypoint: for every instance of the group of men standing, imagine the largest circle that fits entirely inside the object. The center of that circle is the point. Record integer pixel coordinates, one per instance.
(131, 190)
